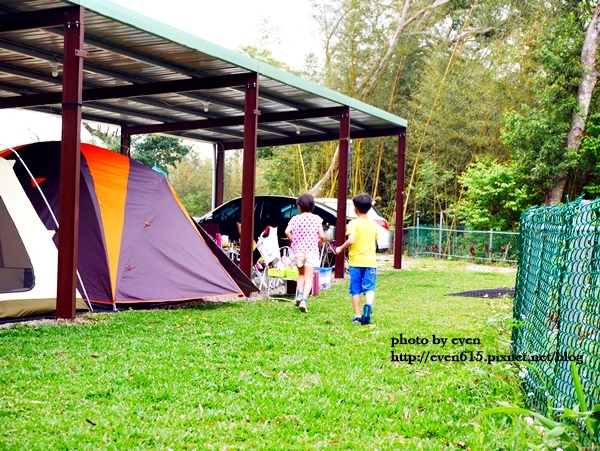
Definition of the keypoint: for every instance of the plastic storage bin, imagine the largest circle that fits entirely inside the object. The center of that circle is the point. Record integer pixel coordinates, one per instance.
(276, 272)
(324, 277)
(291, 272)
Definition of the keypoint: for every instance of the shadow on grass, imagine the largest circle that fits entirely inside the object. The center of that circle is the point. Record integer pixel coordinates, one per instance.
(199, 304)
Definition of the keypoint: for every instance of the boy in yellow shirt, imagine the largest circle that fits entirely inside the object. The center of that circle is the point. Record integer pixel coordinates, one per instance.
(362, 241)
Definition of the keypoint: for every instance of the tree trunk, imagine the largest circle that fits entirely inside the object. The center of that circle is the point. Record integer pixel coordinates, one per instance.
(589, 79)
(368, 84)
(316, 190)
(555, 193)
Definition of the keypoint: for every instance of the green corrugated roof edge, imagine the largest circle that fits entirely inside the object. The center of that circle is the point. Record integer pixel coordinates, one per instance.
(129, 17)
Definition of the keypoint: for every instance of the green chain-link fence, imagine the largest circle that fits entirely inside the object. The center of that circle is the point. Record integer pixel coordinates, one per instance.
(557, 303)
(478, 245)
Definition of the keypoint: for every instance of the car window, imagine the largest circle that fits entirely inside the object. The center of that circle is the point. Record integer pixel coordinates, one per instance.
(278, 211)
(349, 208)
(287, 211)
(328, 218)
(229, 212)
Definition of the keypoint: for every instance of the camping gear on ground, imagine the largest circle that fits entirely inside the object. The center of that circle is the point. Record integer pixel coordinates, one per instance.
(137, 243)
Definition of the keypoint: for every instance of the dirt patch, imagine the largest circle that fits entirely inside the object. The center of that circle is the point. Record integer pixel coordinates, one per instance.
(78, 321)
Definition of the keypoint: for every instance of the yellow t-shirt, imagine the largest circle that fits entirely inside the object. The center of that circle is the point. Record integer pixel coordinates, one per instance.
(362, 251)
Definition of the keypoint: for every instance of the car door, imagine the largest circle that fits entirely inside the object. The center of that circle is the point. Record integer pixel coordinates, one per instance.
(226, 216)
(328, 218)
(277, 211)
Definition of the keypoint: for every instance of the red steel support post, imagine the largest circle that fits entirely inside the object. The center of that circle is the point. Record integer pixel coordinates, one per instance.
(219, 176)
(68, 212)
(343, 168)
(251, 113)
(399, 219)
(125, 144)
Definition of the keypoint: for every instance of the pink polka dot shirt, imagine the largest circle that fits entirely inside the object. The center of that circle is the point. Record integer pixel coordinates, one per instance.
(305, 232)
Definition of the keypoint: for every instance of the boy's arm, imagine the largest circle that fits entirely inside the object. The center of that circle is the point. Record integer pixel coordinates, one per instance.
(349, 242)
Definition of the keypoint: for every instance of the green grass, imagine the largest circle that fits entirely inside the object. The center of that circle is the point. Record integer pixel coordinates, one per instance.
(261, 375)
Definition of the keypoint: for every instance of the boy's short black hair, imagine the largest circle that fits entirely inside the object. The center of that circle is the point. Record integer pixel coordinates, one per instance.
(306, 203)
(362, 202)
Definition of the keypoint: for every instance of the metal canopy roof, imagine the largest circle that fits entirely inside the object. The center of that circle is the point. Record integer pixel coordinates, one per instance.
(148, 77)
(121, 68)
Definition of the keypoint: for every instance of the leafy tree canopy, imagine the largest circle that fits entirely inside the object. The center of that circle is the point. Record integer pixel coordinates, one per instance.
(163, 151)
(494, 196)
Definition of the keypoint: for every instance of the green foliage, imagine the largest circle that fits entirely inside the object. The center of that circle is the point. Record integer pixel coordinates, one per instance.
(161, 150)
(429, 186)
(537, 140)
(108, 139)
(453, 125)
(191, 179)
(537, 133)
(293, 170)
(494, 196)
(579, 425)
(149, 150)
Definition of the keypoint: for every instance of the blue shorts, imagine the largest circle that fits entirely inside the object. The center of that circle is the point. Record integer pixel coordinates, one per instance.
(362, 280)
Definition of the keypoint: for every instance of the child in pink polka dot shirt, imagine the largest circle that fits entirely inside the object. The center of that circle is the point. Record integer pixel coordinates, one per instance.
(305, 231)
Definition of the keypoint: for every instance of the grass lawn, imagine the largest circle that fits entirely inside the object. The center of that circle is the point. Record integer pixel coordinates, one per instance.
(261, 375)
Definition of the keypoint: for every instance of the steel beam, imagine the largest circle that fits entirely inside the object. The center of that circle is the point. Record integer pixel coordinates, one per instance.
(125, 144)
(342, 192)
(306, 139)
(137, 90)
(232, 121)
(45, 18)
(399, 219)
(68, 211)
(251, 113)
(219, 175)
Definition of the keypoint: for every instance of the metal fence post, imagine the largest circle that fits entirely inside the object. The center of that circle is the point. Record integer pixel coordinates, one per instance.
(491, 242)
(418, 250)
(440, 237)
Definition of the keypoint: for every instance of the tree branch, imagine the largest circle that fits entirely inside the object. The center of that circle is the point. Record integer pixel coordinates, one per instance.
(368, 83)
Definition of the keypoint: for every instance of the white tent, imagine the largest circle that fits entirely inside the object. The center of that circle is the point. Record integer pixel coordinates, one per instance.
(28, 257)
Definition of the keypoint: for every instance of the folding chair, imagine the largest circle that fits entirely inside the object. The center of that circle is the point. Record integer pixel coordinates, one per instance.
(328, 255)
(261, 269)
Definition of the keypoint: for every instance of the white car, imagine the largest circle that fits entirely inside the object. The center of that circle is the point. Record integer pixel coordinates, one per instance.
(384, 240)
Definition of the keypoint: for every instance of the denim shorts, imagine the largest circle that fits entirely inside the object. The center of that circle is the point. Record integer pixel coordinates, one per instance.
(362, 280)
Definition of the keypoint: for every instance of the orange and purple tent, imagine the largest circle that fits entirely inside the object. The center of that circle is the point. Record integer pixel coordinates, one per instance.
(137, 243)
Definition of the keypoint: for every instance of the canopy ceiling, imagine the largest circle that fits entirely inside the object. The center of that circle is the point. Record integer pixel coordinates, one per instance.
(148, 77)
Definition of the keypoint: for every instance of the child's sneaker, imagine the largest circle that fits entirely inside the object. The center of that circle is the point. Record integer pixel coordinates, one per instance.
(302, 306)
(357, 320)
(299, 295)
(366, 318)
